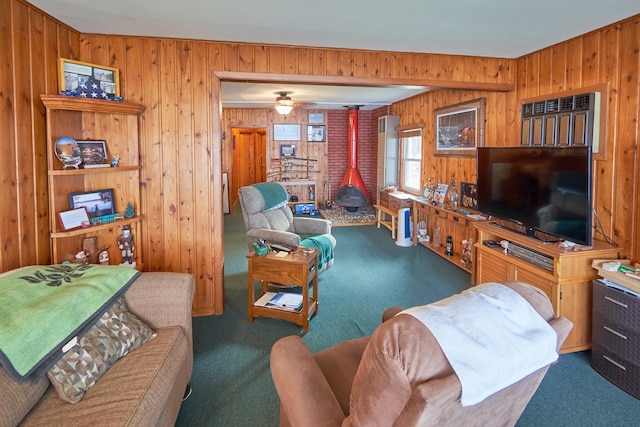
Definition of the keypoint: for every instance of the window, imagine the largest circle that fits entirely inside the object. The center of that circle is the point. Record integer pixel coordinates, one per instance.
(411, 160)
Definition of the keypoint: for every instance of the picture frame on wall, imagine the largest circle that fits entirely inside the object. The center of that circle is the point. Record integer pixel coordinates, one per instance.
(460, 129)
(282, 132)
(316, 133)
(98, 203)
(93, 153)
(85, 80)
(74, 218)
(287, 150)
(316, 118)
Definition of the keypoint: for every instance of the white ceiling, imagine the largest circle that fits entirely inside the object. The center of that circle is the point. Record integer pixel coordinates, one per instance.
(494, 28)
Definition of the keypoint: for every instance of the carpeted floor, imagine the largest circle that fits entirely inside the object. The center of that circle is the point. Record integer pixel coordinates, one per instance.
(231, 380)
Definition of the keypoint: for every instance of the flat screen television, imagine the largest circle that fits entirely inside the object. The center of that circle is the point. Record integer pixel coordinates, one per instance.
(542, 189)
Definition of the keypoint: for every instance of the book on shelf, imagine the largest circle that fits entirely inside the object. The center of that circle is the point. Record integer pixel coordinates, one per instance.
(96, 165)
(280, 300)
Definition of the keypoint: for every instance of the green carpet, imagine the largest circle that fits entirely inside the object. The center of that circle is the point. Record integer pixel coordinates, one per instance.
(232, 383)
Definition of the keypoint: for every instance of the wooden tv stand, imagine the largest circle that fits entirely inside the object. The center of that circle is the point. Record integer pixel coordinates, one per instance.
(566, 278)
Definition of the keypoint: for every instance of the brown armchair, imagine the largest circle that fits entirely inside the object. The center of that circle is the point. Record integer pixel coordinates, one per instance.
(273, 221)
(397, 377)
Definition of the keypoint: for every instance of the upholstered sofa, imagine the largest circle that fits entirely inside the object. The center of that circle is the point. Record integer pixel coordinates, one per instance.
(144, 388)
(399, 376)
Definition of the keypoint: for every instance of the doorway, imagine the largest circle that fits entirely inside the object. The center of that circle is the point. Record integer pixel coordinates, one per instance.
(249, 157)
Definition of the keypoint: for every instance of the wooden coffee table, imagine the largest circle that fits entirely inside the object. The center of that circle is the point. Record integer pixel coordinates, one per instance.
(295, 269)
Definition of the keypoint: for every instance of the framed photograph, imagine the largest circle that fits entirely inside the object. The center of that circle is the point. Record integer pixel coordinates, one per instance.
(316, 133)
(440, 193)
(460, 129)
(93, 153)
(287, 150)
(98, 203)
(286, 132)
(469, 195)
(73, 218)
(316, 118)
(86, 80)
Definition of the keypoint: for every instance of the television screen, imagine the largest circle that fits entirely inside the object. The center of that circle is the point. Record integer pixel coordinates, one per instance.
(547, 189)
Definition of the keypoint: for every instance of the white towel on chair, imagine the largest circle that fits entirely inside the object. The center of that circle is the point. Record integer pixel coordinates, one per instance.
(491, 336)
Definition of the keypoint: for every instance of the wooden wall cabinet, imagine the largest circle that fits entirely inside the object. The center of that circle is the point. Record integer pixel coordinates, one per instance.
(451, 223)
(567, 282)
(118, 123)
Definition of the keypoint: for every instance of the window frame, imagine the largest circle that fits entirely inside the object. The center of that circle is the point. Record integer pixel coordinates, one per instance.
(408, 134)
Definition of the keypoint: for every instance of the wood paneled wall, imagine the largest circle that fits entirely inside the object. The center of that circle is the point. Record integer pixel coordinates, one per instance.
(30, 45)
(181, 144)
(265, 118)
(173, 79)
(610, 57)
(607, 58)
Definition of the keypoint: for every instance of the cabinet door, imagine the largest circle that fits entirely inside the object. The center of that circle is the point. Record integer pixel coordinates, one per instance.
(575, 301)
(547, 286)
(491, 268)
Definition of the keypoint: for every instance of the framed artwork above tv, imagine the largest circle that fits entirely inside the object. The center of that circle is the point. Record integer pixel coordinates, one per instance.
(460, 129)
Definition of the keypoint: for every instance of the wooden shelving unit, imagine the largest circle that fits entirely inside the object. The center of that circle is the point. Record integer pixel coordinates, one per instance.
(452, 223)
(298, 176)
(117, 123)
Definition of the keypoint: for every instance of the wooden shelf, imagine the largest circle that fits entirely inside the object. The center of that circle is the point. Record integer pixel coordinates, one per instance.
(70, 172)
(72, 103)
(455, 258)
(96, 228)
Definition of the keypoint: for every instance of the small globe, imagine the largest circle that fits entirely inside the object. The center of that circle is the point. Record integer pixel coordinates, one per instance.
(68, 151)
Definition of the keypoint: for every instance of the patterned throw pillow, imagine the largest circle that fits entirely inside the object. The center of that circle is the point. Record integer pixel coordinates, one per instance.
(113, 336)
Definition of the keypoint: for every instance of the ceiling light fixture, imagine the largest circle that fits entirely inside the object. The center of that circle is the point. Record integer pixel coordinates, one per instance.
(284, 104)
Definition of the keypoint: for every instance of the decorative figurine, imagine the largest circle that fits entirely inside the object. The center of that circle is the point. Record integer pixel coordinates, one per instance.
(437, 237)
(115, 162)
(449, 246)
(126, 246)
(453, 195)
(129, 212)
(103, 255)
(422, 232)
(68, 152)
(81, 257)
(428, 190)
(466, 253)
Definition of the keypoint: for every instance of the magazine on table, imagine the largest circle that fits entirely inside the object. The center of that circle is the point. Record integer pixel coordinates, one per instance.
(280, 300)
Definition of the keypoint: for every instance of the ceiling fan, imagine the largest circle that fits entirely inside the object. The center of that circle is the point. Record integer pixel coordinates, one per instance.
(284, 104)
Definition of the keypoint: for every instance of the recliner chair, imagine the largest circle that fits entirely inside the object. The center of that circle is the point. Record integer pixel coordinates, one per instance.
(278, 224)
(399, 376)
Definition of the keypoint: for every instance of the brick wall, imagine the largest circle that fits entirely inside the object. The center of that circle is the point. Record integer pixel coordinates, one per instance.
(338, 140)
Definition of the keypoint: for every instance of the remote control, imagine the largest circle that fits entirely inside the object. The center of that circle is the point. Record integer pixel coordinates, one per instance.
(280, 247)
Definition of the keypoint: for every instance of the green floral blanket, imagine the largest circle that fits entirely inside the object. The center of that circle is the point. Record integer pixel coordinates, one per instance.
(43, 307)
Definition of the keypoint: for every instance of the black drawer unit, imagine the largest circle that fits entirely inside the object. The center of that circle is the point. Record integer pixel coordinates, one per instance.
(615, 351)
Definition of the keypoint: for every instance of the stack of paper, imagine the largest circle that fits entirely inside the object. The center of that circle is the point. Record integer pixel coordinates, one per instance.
(281, 300)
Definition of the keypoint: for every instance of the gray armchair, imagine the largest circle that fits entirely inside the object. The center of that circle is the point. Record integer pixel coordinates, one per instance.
(273, 220)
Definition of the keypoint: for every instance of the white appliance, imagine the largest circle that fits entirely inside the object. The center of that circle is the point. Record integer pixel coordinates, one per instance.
(388, 152)
(403, 236)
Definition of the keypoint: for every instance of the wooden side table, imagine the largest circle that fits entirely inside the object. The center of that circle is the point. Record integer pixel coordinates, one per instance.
(295, 269)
